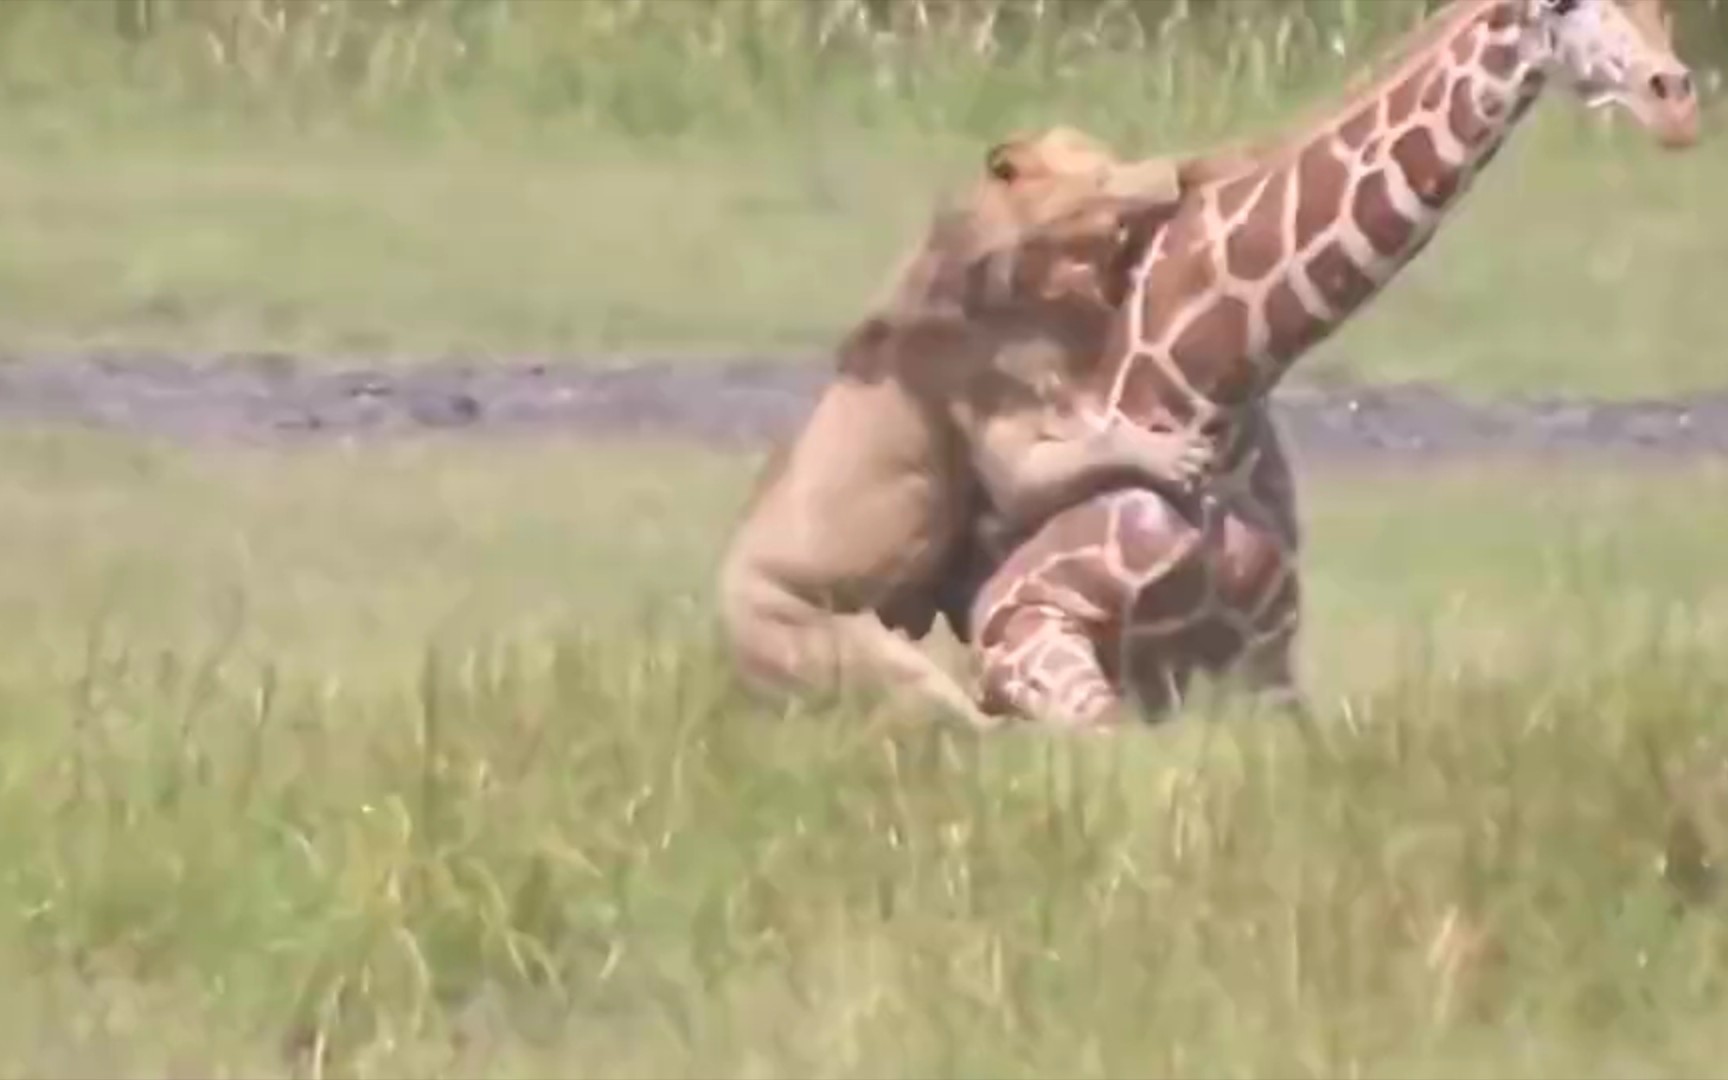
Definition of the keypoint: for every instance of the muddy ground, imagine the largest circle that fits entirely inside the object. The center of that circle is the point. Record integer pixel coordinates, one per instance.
(738, 400)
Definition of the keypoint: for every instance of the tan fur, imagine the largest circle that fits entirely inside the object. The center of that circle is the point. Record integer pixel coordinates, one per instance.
(948, 400)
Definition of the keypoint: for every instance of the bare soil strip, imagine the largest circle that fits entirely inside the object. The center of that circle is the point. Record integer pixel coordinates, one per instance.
(742, 400)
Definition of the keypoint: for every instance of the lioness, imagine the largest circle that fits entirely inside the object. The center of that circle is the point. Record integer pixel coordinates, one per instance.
(948, 398)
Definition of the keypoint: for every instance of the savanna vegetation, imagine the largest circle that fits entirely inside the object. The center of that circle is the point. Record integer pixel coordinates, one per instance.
(420, 759)
(388, 764)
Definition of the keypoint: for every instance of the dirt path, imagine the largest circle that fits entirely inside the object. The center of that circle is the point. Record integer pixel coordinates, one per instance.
(739, 400)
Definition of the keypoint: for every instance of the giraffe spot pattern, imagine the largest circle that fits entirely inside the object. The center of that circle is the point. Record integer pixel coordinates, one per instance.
(1149, 531)
(1500, 59)
(1065, 665)
(1434, 92)
(1464, 47)
(1234, 195)
(1253, 251)
(1338, 278)
(1292, 328)
(1429, 178)
(1461, 116)
(1152, 394)
(1354, 132)
(1377, 217)
(1321, 181)
(1401, 103)
(1182, 591)
(1219, 332)
(1247, 563)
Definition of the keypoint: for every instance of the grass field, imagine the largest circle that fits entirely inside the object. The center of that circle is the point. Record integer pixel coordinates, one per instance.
(420, 758)
(385, 762)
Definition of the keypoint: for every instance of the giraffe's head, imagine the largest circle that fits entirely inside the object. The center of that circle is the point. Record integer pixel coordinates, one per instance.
(1621, 52)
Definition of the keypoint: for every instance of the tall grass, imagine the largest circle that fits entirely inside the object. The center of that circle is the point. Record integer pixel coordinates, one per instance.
(652, 68)
(380, 762)
(592, 858)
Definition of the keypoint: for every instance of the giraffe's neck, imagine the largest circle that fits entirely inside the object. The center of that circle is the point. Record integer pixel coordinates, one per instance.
(1262, 267)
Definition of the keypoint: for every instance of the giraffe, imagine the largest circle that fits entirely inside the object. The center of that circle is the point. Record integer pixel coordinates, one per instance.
(1129, 593)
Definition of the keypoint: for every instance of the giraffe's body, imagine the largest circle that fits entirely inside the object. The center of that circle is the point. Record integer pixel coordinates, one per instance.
(1133, 590)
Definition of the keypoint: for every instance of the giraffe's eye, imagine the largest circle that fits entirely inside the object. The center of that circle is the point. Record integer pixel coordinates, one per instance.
(1560, 7)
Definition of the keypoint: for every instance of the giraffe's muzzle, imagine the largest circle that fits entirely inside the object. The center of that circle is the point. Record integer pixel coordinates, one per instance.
(1668, 106)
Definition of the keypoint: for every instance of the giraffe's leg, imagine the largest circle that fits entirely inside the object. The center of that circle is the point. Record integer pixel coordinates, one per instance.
(1040, 663)
(1049, 624)
(1268, 668)
(1158, 676)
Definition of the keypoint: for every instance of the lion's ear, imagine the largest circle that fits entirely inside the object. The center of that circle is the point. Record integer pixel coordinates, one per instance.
(1002, 161)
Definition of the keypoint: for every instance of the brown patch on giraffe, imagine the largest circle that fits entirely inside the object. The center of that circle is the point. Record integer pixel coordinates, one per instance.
(1461, 115)
(1212, 352)
(1150, 531)
(1429, 177)
(1500, 59)
(1010, 629)
(1401, 102)
(1354, 132)
(1060, 665)
(1183, 590)
(1185, 234)
(1152, 394)
(1184, 270)
(1066, 551)
(1503, 17)
(1434, 91)
(1339, 279)
(1247, 561)
(1234, 195)
(1211, 643)
(1292, 328)
(1321, 182)
(1256, 248)
(1464, 46)
(1377, 217)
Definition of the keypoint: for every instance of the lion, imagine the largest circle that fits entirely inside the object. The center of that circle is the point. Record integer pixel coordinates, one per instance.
(949, 400)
